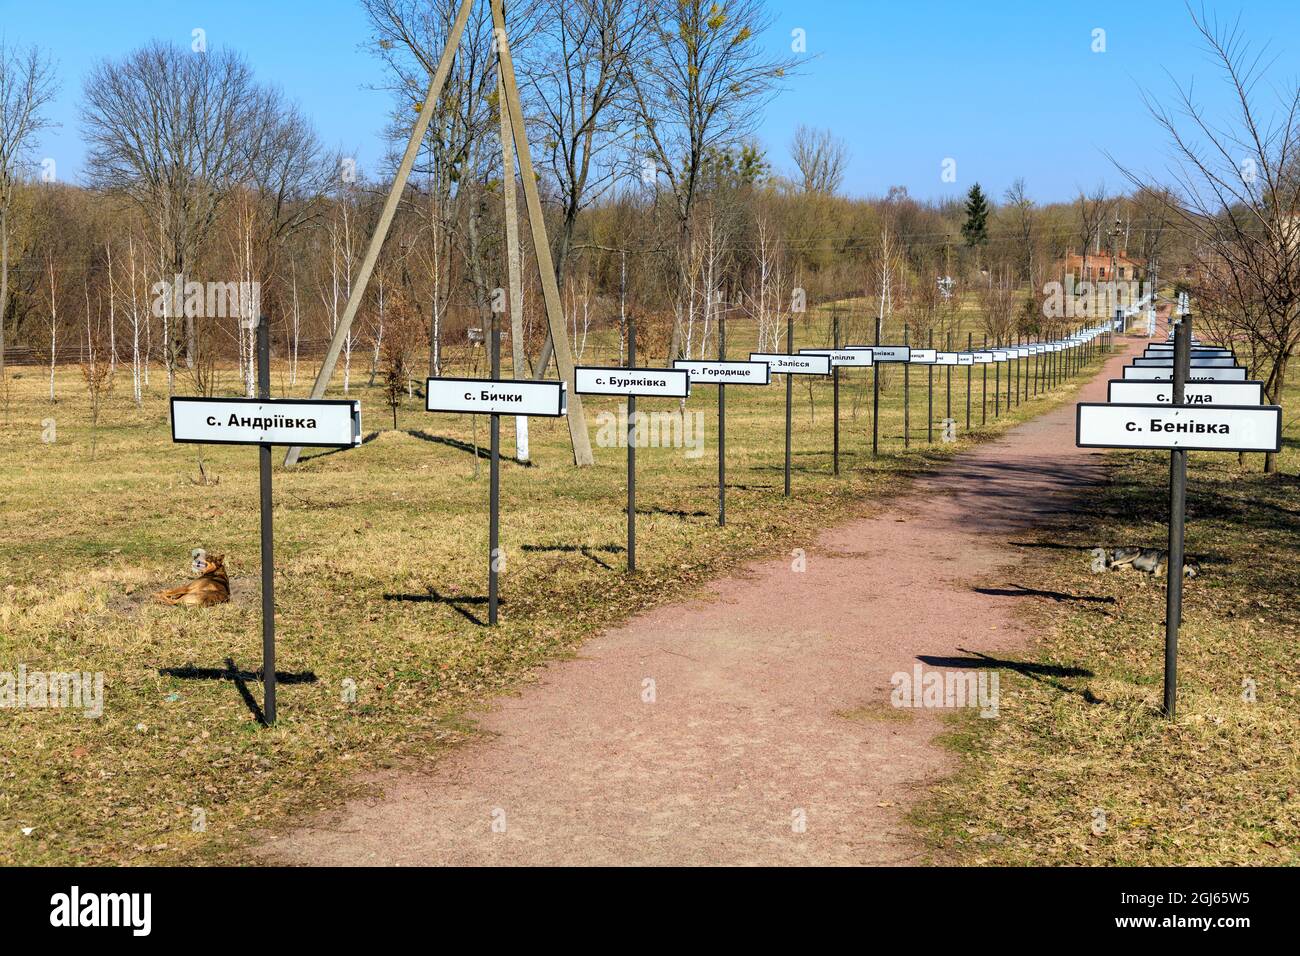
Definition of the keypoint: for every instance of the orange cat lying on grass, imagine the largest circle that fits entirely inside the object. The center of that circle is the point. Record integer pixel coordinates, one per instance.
(210, 587)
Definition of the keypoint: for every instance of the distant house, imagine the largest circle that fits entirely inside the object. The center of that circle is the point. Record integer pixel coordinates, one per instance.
(1096, 267)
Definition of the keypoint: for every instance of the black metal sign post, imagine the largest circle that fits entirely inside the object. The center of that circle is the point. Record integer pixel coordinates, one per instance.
(265, 422)
(268, 534)
(631, 447)
(1014, 365)
(984, 388)
(1038, 360)
(907, 392)
(1018, 364)
(948, 370)
(997, 386)
(1177, 521)
(494, 481)
(629, 381)
(875, 402)
(969, 369)
(789, 399)
(722, 424)
(929, 394)
(489, 396)
(817, 362)
(719, 373)
(835, 389)
(1175, 424)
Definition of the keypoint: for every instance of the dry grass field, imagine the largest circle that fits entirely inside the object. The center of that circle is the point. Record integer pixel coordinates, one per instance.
(380, 583)
(1081, 768)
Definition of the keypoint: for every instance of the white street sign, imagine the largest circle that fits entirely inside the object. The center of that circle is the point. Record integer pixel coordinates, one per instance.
(891, 353)
(965, 358)
(1226, 361)
(485, 396)
(1001, 355)
(794, 364)
(725, 373)
(1157, 351)
(1165, 373)
(852, 357)
(924, 357)
(320, 423)
(1195, 393)
(947, 358)
(662, 382)
(981, 358)
(1205, 428)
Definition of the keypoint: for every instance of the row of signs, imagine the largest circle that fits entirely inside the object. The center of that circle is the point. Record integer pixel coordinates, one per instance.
(1222, 411)
(337, 423)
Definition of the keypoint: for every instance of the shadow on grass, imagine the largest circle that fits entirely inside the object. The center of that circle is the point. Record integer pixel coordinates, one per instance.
(240, 679)
(587, 551)
(323, 452)
(674, 512)
(477, 450)
(455, 603)
(1017, 590)
(1050, 674)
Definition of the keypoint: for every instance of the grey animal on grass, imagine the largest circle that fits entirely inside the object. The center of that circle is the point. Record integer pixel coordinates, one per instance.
(1154, 561)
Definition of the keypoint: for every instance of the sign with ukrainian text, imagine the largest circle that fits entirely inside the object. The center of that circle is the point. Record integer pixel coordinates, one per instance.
(725, 373)
(838, 357)
(661, 382)
(1165, 373)
(1194, 393)
(794, 364)
(319, 423)
(486, 396)
(1187, 427)
(891, 353)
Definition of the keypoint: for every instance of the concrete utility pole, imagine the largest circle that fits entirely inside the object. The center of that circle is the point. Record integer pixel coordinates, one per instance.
(554, 314)
(389, 210)
(1114, 265)
(541, 244)
(519, 361)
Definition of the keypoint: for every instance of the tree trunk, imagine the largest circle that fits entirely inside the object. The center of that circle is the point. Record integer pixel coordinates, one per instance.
(4, 283)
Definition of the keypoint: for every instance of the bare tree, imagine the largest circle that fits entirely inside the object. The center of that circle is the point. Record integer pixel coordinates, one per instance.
(699, 89)
(1234, 189)
(1092, 212)
(578, 66)
(583, 53)
(409, 37)
(26, 87)
(171, 129)
(1021, 208)
(998, 301)
(820, 158)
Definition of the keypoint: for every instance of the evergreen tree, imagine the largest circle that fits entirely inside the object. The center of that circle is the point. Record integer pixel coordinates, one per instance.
(975, 230)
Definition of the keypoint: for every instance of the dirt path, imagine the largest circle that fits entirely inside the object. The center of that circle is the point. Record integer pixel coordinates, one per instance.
(753, 724)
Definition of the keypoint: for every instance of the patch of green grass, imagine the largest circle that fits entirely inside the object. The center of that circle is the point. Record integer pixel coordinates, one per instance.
(380, 555)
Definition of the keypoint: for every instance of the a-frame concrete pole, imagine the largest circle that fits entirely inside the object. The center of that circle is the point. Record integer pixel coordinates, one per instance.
(389, 210)
(541, 244)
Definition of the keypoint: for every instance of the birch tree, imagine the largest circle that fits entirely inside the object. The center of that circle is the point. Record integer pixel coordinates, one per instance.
(26, 87)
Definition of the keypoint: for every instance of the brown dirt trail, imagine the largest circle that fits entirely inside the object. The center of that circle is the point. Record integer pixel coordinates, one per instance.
(770, 698)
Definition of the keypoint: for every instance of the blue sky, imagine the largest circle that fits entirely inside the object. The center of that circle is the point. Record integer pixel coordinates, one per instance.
(1006, 88)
